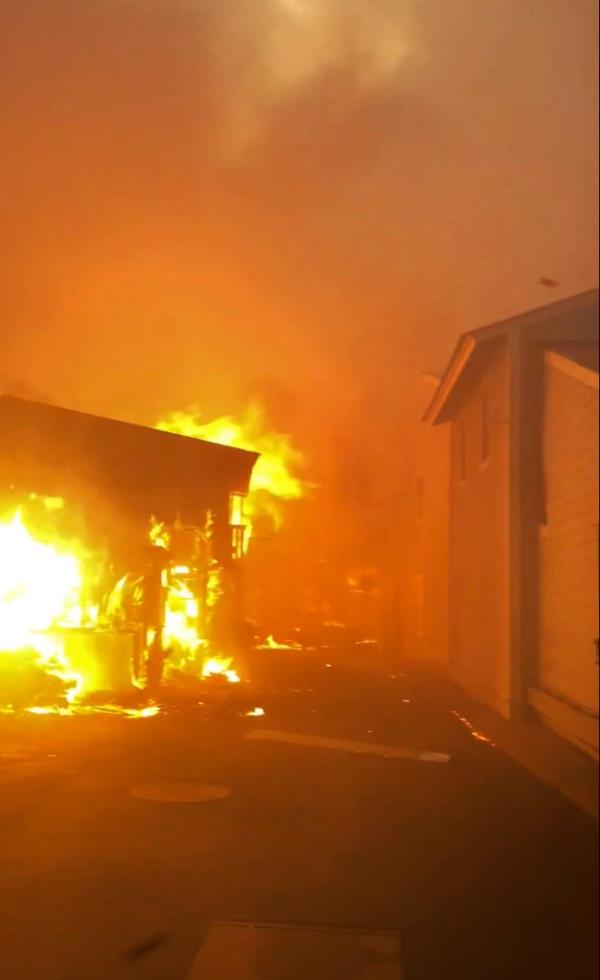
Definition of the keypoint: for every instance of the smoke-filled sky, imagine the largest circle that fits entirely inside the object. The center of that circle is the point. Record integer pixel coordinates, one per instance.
(206, 200)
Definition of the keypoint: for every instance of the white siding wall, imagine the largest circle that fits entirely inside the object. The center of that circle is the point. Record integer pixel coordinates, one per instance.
(568, 555)
(424, 549)
(479, 617)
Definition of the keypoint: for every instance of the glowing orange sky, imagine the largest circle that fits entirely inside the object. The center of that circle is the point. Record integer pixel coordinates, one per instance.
(207, 200)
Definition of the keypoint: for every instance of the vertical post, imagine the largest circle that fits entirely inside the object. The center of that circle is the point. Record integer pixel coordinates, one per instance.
(523, 494)
(515, 525)
(596, 638)
(451, 598)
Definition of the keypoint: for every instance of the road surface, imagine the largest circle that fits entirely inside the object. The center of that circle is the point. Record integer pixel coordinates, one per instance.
(358, 830)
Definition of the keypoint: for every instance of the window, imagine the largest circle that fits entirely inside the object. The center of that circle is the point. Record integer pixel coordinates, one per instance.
(418, 604)
(236, 510)
(238, 543)
(420, 495)
(485, 428)
(462, 450)
(543, 499)
(238, 526)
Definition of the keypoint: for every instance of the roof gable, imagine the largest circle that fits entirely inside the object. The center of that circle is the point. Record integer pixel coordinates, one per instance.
(574, 319)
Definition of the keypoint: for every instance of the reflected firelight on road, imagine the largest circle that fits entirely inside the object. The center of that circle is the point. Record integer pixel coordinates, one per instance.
(480, 736)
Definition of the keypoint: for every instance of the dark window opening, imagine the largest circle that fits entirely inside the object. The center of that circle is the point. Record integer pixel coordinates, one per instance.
(462, 450)
(485, 428)
(420, 494)
(542, 500)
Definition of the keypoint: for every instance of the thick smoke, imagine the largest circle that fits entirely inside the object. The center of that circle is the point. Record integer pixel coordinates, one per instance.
(211, 201)
(269, 52)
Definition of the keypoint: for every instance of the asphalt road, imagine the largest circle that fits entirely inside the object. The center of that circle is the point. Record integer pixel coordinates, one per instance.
(320, 863)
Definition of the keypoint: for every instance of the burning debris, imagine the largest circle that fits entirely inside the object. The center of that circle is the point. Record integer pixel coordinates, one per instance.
(220, 667)
(272, 644)
(138, 601)
(166, 609)
(148, 594)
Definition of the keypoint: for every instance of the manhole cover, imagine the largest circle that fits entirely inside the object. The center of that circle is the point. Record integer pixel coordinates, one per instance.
(180, 792)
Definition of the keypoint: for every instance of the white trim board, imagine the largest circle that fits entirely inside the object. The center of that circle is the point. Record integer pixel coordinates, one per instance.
(562, 363)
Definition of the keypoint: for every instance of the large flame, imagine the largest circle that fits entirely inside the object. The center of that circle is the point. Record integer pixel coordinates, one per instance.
(221, 667)
(182, 632)
(274, 477)
(183, 636)
(47, 624)
(41, 587)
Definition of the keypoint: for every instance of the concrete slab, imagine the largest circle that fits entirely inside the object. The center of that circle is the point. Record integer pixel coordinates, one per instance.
(249, 951)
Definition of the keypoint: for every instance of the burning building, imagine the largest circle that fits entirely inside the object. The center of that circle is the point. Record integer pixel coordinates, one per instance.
(121, 550)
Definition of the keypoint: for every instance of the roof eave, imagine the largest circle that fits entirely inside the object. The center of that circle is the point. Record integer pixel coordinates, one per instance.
(434, 414)
(583, 304)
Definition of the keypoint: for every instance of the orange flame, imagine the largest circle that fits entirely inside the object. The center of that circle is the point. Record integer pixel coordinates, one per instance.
(183, 633)
(272, 644)
(41, 587)
(274, 477)
(221, 667)
(44, 583)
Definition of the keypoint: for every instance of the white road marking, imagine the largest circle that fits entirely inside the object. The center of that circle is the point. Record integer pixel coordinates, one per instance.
(345, 745)
(180, 792)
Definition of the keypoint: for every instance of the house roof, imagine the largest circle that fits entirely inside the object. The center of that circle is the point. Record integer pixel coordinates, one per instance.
(55, 451)
(573, 320)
